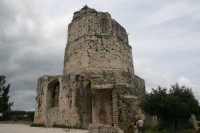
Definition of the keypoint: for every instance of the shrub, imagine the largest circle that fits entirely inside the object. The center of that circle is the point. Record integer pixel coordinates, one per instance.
(37, 125)
(60, 126)
(18, 115)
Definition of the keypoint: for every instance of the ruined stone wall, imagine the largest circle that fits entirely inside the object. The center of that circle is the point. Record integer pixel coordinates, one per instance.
(73, 106)
(40, 110)
(46, 111)
(138, 86)
(126, 106)
(95, 43)
(123, 98)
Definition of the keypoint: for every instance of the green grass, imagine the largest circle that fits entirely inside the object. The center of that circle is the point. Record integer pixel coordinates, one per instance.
(64, 126)
(37, 125)
(165, 131)
(179, 131)
(153, 130)
(60, 126)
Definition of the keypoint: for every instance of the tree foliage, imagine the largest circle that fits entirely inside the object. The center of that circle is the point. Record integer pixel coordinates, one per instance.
(5, 105)
(175, 104)
(18, 115)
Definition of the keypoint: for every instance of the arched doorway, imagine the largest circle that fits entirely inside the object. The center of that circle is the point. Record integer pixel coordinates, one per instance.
(53, 94)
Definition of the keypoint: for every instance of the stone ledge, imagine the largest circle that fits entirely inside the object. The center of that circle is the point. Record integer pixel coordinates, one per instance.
(130, 96)
(98, 128)
(103, 86)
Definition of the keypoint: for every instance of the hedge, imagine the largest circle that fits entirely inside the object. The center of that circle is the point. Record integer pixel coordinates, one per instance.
(17, 116)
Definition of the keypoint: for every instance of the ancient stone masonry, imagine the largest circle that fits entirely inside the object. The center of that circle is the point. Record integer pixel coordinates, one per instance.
(98, 84)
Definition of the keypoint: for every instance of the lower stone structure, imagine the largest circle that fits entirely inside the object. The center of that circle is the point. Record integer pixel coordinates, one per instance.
(76, 100)
(103, 129)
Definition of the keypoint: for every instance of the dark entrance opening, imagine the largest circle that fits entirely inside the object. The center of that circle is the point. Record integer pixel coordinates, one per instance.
(102, 106)
(53, 94)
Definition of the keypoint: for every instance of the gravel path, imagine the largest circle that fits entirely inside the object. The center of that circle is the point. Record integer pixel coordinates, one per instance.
(21, 128)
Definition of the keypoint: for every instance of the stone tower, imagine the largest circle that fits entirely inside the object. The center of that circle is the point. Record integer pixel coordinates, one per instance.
(98, 84)
(96, 43)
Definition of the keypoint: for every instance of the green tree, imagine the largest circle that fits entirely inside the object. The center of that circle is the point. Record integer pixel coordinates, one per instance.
(5, 105)
(173, 105)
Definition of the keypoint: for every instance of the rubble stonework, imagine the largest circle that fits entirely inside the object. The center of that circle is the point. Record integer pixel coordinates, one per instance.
(98, 85)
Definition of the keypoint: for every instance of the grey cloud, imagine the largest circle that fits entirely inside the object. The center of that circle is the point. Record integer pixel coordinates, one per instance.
(25, 99)
(25, 54)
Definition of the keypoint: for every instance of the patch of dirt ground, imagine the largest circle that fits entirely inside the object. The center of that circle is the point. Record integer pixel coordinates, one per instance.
(22, 128)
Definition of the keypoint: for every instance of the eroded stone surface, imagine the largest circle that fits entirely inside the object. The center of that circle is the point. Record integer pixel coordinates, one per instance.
(98, 84)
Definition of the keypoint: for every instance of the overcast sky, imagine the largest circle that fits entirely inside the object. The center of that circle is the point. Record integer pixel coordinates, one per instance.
(164, 35)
